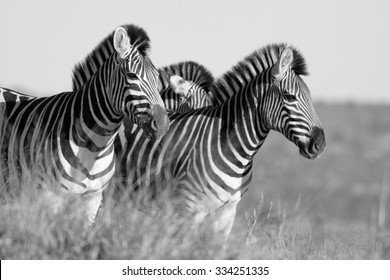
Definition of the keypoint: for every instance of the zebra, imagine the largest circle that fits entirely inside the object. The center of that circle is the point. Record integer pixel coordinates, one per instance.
(203, 165)
(69, 136)
(185, 86)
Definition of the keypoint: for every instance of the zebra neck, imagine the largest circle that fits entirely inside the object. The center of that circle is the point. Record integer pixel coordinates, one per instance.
(244, 113)
(95, 122)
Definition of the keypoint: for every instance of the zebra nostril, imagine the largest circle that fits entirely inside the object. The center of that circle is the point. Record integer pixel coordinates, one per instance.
(154, 125)
(317, 143)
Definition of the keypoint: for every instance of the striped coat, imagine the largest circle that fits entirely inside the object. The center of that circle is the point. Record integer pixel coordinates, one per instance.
(63, 144)
(203, 165)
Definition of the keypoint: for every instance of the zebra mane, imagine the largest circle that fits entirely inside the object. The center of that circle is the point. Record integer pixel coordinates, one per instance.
(94, 60)
(253, 65)
(190, 71)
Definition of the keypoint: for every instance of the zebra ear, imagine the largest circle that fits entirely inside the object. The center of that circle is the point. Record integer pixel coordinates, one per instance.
(284, 62)
(180, 86)
(121, 42)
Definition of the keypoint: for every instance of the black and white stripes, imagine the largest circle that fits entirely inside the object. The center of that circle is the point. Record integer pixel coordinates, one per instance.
(205, 160)
(185, 86)
(68, 138)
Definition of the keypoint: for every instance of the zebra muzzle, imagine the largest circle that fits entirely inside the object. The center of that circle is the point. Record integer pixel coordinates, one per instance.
(315, 146)
(157, 123)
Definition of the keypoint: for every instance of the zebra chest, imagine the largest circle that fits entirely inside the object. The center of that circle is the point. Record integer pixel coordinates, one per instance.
(85, 170)
(208, 182)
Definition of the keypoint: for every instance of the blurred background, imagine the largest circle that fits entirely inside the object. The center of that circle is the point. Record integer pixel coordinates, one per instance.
(342, 196)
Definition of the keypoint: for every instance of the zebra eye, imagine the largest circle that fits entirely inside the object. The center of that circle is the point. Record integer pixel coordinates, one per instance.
(132, 76)
(289, 98)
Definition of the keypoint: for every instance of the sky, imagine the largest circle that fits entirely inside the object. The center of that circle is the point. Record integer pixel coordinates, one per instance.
(346, 43)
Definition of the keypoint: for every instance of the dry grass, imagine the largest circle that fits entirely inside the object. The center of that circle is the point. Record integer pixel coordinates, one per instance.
(29, 231)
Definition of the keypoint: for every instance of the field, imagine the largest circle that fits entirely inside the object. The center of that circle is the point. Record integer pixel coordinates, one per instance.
(332, 208)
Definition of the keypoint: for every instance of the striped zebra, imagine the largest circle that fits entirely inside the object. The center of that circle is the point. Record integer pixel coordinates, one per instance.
(203, 165)
(69, 137)
(185, 86)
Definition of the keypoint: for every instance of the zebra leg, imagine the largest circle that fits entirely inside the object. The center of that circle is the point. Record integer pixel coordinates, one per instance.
(92, 202)
(216, 227)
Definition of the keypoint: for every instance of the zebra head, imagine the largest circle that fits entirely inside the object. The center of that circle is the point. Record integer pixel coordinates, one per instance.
(290, 109)
(192, 95)
(181, 86)
(140, 101)
(184, 86)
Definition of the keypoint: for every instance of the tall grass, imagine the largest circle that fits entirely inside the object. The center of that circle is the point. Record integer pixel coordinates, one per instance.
(29, 230)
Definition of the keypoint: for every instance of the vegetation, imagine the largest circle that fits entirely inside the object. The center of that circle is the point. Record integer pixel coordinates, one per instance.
(331, 208)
